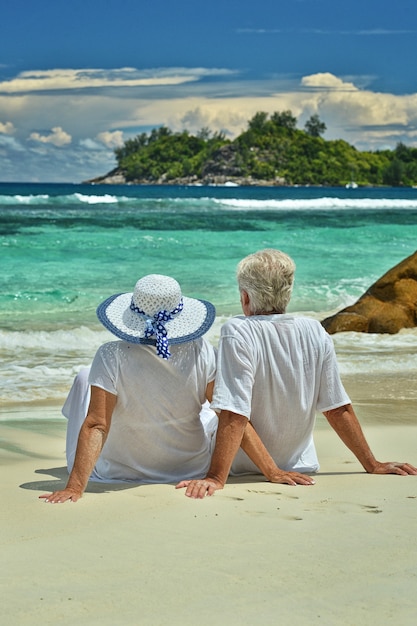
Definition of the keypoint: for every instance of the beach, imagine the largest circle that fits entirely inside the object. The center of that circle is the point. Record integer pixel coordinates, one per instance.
(341, 552)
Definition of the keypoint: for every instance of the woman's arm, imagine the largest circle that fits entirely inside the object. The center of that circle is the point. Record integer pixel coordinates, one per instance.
(91, 440)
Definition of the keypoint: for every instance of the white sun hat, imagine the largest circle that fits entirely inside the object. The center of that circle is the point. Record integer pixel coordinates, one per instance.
(156, 313)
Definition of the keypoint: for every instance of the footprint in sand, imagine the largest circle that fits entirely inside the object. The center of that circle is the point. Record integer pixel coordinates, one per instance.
(371, 509)
(266, 493)
(232, 498)
(273, 493)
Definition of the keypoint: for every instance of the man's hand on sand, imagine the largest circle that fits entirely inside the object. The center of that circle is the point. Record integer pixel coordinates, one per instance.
(197, 489)
(404, 469)
(58, 497)
(291, 478)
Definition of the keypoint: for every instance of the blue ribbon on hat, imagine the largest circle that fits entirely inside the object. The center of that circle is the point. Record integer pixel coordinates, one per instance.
(155, 325)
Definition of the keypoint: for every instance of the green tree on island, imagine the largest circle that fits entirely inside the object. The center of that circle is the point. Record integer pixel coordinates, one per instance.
(314, 126)
(271, 151)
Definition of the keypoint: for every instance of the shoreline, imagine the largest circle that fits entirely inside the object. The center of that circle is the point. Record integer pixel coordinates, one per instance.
(223, 181)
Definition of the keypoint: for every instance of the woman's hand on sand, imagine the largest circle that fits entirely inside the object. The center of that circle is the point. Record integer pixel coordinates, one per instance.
(403, 469)
(58, 497)
(197, 489)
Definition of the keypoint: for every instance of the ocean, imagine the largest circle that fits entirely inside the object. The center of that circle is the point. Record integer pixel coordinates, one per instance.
(65, 248)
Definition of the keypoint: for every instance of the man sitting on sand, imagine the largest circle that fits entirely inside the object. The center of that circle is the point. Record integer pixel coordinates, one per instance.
(275, 371)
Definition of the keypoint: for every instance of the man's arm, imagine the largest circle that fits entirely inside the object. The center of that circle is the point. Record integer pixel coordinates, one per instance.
(236, 431)
(258, 454)
(228, 439)
(344, 421)
(91, 440)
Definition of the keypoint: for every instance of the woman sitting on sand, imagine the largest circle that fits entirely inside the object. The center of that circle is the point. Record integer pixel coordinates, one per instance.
(147, 391)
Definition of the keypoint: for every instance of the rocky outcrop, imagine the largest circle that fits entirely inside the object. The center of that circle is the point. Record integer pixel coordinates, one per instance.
(225, 162)
(223, 168)
(387, 306)
(116, 177)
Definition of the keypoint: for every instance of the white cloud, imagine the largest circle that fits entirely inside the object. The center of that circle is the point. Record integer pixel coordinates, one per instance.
(57, 137)
(44, 163)
(325, 80)
(97, 121)
(10, 143)
(360, 115)
(104, 140)
(372, 32)
(90, 144)
(7, 128)
(69, 79)
(111, 139)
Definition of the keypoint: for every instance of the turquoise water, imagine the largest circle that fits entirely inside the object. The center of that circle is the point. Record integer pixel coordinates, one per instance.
(65, 248)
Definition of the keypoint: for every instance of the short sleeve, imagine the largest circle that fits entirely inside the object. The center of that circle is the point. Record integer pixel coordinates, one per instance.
(104, 369)
(209, 355)
(332, 393)
(235, 376)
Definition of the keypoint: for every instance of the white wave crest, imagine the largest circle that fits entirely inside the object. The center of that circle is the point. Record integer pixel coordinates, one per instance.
(364, 353)
(325, 203)
(88, 199)
(81, 339)
(47, 200)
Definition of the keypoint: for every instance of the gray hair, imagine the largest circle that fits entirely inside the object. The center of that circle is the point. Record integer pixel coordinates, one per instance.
(267, 277)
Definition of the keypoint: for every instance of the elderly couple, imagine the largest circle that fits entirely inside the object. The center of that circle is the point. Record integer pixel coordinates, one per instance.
(140, 413)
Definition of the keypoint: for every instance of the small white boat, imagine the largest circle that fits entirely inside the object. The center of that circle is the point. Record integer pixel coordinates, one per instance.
(351, 185)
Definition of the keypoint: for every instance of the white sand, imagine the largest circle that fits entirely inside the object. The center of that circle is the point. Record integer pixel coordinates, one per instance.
(342, 552)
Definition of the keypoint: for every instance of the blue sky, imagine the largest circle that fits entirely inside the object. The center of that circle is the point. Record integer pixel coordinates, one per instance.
(78, 78)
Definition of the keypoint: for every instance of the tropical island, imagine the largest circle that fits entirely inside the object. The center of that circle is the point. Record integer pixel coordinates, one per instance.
(271, 151)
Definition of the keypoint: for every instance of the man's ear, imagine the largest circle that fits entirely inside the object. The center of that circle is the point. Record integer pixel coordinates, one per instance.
(245, 301)
(244, 297)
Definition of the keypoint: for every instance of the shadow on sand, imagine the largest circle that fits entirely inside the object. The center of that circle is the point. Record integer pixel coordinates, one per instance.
(61, 476)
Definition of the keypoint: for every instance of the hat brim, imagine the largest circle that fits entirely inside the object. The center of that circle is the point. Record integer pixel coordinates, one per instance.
(195, 319)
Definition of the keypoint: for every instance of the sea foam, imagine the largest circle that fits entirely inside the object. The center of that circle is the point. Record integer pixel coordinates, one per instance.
(323, 203)
(39, 366)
